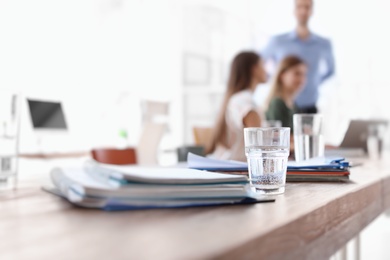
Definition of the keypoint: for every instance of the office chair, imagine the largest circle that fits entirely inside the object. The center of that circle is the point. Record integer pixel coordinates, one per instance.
(202, 135)
(115, 156)
(154, 126)
(147, 149)
(182, 152)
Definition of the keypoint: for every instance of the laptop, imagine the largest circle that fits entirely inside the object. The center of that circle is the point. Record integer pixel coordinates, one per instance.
(354, 143)
(47, 115)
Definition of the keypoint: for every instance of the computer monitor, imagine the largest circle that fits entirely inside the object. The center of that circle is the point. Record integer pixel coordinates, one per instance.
(47, 115)
(357, 133)
(354, 143)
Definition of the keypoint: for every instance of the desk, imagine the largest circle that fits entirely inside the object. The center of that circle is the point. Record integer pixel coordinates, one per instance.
(311, 221)
(54, 155)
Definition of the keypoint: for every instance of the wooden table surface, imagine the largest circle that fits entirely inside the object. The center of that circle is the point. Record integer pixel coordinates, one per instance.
(310, 221)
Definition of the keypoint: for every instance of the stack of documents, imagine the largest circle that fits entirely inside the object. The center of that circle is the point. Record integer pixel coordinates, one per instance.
(110, 187)
(315, 169)
(319, 169)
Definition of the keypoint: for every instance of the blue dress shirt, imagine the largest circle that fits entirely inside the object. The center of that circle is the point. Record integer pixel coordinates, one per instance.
(317, 53)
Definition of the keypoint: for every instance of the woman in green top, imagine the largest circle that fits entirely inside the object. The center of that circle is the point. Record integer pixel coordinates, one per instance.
(289, 79)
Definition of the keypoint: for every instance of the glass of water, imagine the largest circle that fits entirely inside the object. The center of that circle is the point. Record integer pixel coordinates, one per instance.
(308, 137)
(376, 132)
(267, 150)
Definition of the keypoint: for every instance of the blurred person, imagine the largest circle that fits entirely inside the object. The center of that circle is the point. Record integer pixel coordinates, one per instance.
(288, 82)
(313, 49)
(238, 108)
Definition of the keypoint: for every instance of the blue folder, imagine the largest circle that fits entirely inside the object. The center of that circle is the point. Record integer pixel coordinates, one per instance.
(118, 205)
(209, 164)
(112, 206)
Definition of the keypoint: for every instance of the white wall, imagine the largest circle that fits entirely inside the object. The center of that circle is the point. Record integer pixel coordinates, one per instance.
(101, 56)
(357, 30)
(98, 56)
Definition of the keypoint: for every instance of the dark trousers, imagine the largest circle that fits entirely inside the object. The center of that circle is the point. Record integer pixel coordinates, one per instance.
(307, 110)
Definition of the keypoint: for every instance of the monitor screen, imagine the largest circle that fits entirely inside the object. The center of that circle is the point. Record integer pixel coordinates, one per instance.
(47, 115)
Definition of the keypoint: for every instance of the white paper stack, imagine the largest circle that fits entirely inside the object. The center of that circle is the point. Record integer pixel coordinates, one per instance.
(109, 187)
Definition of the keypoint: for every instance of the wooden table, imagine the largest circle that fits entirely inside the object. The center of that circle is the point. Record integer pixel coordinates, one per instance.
(311, 221)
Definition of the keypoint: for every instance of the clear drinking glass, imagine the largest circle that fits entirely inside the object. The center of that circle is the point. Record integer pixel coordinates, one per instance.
(267, 150)
(9, 139)
(308, 137)
(375, 139)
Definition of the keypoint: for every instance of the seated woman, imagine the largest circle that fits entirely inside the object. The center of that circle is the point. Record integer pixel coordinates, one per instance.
(289, 79)
(238, 108)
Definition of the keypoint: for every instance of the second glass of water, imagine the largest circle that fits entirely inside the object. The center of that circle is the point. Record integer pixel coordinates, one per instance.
(267, 150)
(376, 132)
(308, 137)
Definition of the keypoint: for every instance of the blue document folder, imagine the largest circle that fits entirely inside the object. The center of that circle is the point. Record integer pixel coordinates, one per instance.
(119, 205)
(163, 188)
(246, 201)
(204, 163)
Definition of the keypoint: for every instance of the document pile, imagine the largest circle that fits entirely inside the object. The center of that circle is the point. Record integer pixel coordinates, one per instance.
(321, 169)
(110, 187)
(315, 169)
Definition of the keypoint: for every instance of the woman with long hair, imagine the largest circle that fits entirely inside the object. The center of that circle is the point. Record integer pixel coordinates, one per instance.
(288, 81)
(238, 108)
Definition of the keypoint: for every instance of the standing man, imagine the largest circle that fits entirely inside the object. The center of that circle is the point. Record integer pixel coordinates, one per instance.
(315, 50)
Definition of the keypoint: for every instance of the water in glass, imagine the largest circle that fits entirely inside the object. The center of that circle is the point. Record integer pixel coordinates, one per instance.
(308, 146)
(267, 167)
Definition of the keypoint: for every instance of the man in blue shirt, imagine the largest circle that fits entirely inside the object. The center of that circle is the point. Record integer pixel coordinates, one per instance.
(315, 50)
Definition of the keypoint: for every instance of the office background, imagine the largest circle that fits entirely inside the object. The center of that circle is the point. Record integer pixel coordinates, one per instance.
(100, 58)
